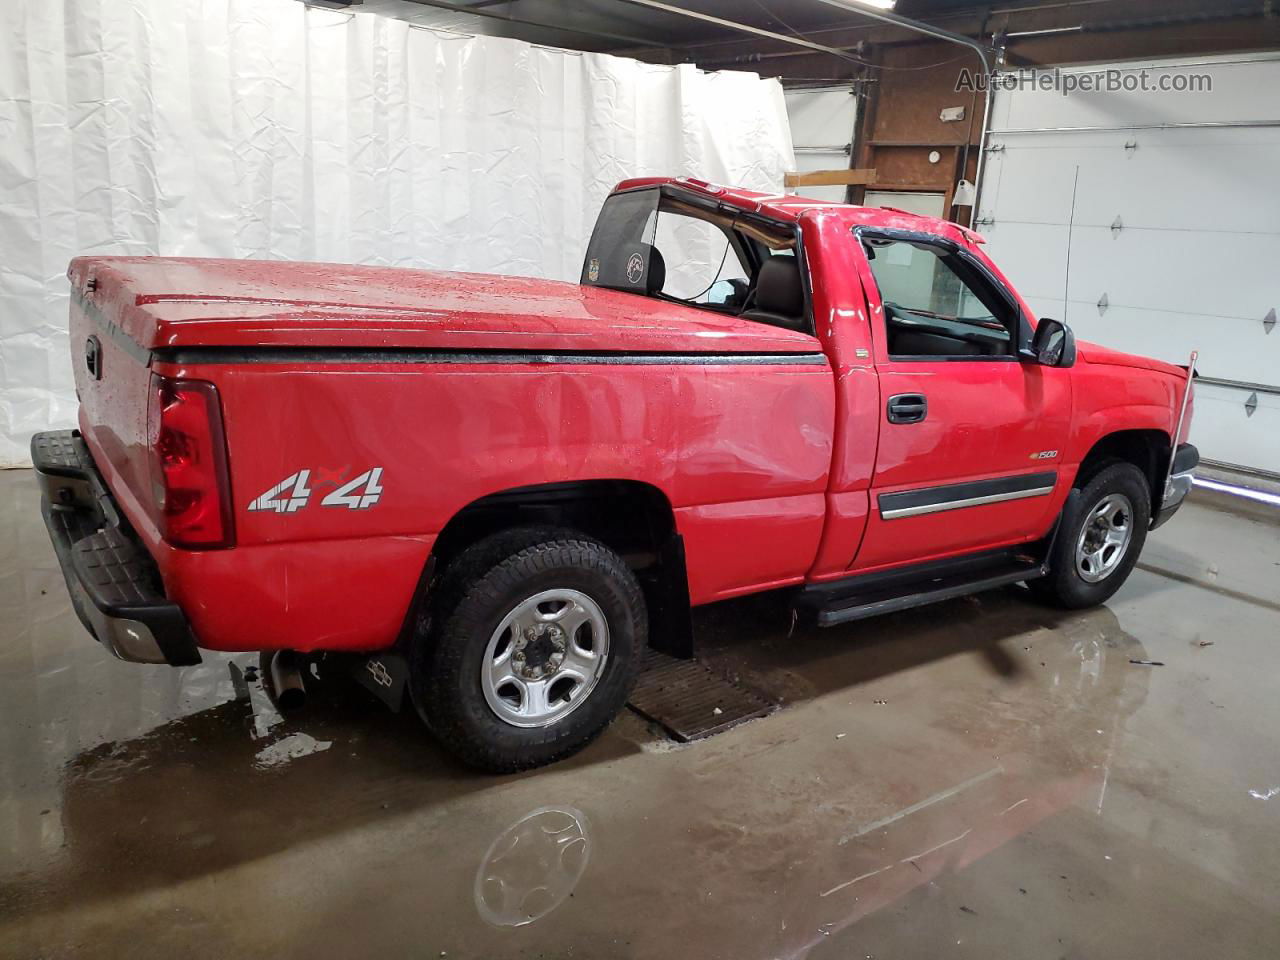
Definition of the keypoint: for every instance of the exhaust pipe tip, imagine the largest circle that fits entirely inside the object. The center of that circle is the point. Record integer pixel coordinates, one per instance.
(286, 681)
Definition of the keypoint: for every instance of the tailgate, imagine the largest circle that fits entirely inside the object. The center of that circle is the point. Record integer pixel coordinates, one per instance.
(112, 376)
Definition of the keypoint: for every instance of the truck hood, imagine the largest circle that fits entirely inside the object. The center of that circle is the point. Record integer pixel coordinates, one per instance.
(164, 303)
(1093, 353)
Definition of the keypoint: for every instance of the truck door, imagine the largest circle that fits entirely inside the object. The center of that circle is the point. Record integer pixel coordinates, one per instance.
(972, 439)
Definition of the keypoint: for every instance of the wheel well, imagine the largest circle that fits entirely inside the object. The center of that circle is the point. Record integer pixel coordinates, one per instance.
(1148, 450)
(633, 519)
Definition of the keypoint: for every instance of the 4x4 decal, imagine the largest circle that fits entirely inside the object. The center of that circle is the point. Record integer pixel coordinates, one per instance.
(295, 490)
(346, 496)
(293, 494)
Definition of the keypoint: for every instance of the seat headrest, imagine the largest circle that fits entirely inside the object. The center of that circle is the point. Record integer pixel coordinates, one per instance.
(657, 275)
(778, 288)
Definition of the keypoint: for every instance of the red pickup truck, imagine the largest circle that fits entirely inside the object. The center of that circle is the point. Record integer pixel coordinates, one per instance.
(492, 492)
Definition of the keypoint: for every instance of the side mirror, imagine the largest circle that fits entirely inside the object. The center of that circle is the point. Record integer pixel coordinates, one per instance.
(1054, 344)
(729, 293)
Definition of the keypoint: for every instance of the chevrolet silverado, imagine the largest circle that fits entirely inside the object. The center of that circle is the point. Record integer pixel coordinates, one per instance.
(491, 493)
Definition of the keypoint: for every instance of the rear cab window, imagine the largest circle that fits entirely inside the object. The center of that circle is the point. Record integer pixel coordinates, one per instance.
(664, 243)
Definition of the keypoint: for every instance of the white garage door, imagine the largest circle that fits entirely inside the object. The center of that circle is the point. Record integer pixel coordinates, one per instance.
(822, 121)
(1175, 237)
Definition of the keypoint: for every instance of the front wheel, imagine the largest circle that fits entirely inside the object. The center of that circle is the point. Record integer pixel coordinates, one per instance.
(1099, 540)
(534, 653)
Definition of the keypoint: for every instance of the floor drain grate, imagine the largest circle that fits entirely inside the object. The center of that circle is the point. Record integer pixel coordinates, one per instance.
(683, 696)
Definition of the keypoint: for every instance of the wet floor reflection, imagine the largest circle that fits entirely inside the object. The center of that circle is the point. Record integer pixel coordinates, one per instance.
(236, 783)
(532, 866)
(934, 776)
(1047, 750)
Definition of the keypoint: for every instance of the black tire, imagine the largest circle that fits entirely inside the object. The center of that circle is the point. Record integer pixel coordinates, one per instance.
(1065, 586)
(479, 589)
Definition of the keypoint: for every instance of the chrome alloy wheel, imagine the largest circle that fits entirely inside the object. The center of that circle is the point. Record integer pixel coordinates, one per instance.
(1104, 541)
(545, 658)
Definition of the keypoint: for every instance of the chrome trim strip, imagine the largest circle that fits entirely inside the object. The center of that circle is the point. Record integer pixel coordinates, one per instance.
(971, 502)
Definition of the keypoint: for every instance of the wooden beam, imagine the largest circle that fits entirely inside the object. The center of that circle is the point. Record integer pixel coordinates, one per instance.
(830, 178)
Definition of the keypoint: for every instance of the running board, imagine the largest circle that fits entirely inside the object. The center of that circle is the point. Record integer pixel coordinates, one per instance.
(871, 595)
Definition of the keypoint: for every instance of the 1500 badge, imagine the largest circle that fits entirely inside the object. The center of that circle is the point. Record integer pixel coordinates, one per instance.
(293, 493)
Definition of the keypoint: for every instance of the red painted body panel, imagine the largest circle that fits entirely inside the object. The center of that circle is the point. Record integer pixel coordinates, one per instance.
(839, 307)
(311, 594)
(986, 420)
(772, 469)
(747, 545)
(735, 449)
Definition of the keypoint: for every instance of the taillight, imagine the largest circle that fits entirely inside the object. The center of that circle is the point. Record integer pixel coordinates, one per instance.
(189, 477)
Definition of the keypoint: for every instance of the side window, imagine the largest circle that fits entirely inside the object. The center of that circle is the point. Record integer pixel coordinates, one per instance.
(937, 303)
(700, 263)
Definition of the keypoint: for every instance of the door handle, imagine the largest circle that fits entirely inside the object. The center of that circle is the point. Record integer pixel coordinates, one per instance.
(908, 408)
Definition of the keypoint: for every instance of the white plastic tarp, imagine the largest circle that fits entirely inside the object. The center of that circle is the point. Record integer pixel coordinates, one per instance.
(263, 128)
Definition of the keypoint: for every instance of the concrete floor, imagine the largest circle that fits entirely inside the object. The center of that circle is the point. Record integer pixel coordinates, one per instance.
(983, 778)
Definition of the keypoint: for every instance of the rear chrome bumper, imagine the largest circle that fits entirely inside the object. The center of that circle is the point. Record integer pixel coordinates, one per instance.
(1185, 461)
(114, 583)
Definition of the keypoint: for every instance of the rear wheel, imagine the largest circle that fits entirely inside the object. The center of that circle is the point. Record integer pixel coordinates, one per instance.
(531, 650)
(1099, 540)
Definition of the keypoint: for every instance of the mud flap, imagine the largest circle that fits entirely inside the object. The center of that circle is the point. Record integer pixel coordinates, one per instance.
(1066, 519)
(385, 675)
(667, 597)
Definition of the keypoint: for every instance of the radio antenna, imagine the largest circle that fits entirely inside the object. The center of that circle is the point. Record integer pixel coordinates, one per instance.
(1071, 225)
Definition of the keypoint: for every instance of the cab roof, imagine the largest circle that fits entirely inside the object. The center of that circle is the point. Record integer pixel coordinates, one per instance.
(792, 208)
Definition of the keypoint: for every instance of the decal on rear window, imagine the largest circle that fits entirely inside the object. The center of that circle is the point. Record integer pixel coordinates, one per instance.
(635, 268)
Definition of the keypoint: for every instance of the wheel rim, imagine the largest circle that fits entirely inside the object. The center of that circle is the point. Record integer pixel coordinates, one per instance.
(545, 658)
(1105, 539)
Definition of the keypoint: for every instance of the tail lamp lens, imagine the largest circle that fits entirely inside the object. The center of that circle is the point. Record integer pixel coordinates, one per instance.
(189, 477)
